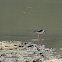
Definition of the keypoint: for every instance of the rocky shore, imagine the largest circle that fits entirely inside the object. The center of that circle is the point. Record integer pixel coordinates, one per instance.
(17, 51)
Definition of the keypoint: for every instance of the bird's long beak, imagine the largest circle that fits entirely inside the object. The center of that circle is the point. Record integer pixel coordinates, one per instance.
(35, 31)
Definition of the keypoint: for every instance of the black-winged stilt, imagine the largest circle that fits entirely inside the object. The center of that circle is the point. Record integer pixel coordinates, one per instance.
(40, 32)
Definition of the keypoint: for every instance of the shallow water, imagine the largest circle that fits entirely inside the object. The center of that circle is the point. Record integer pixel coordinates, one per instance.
(20, 18)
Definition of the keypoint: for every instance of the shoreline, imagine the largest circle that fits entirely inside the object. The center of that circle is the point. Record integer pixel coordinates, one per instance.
(18, 51)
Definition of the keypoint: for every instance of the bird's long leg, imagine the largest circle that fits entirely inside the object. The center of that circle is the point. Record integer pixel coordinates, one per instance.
(38, 39)
(41, 36)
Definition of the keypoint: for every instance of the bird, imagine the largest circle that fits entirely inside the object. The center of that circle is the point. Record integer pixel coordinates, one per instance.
(40, 32)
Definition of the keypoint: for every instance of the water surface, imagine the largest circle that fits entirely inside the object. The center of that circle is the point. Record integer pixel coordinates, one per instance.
(20, 18)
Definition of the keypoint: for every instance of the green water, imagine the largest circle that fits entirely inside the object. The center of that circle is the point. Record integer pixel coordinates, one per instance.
(19, 18)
